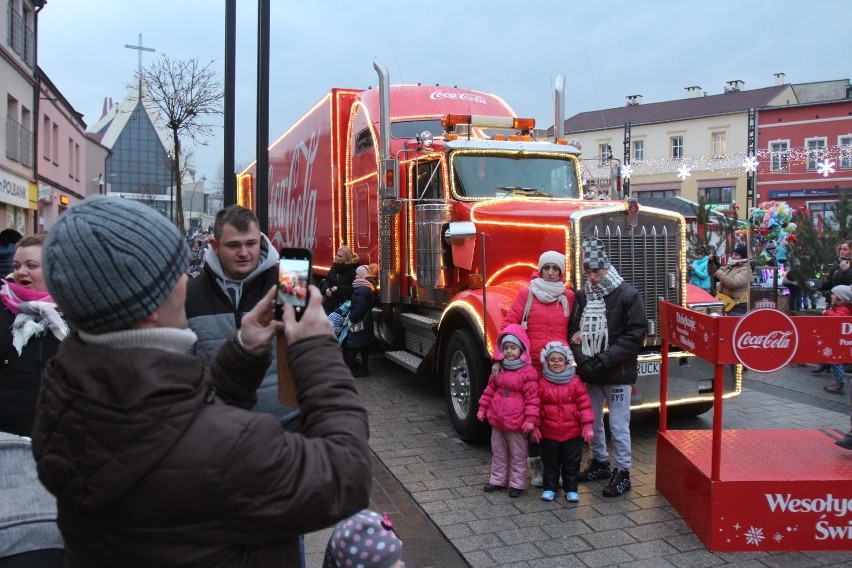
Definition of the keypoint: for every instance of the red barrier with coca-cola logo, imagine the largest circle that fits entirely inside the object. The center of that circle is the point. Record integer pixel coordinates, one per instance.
(762, 340)
(757, 490)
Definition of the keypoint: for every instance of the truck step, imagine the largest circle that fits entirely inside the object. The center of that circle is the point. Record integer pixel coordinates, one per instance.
(405, 359)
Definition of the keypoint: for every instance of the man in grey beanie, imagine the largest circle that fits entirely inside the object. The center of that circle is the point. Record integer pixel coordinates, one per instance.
(153, 455)
(607, 329)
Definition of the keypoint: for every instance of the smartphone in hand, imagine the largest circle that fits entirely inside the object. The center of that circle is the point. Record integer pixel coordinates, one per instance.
(294, 276)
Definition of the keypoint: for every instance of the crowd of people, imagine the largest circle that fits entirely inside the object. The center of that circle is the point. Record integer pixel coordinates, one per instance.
(139, 391)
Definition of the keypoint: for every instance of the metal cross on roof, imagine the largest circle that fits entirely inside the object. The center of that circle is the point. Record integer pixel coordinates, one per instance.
(140, 49)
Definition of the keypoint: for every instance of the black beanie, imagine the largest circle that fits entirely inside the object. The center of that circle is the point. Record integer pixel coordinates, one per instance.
(111, 262)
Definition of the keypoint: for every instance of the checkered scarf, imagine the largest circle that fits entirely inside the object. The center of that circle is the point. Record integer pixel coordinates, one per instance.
(593, 324)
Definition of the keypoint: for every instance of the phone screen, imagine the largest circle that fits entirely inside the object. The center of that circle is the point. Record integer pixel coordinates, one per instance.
(293, 277)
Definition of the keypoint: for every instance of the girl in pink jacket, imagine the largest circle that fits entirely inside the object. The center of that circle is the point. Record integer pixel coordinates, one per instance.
(510, 404)
(566, 420)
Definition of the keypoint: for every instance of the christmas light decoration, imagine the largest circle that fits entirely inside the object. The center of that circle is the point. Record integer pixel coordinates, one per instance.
(825, 168)
(626, 170)
(793, 162)
(683, 172)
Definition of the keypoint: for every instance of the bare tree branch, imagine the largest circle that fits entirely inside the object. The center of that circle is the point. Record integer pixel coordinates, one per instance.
(186, 94)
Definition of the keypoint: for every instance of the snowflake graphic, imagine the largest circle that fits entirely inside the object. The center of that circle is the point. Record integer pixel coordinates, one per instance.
(683, 172)
(825, 168)
(626, 171)
(750, 164)
(827, 352)
(706, 338)
(754, 536)
(778, 537)
(736, 526)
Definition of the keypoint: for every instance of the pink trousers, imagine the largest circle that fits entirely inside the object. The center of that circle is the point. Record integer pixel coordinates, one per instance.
(508, 459)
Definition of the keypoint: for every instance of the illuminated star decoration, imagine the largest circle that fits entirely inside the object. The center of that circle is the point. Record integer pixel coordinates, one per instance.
(825, 168)
(683, 172)
(626, 170)
(750, 164)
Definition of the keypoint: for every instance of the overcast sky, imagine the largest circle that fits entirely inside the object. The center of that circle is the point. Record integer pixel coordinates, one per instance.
(510, 48)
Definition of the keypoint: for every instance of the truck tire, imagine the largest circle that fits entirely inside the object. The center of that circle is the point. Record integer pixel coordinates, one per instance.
(465, 376)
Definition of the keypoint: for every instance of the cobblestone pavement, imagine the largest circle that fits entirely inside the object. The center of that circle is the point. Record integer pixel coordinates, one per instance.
(420, 459)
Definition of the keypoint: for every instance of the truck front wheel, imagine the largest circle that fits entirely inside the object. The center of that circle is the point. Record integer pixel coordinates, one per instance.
(465, 375)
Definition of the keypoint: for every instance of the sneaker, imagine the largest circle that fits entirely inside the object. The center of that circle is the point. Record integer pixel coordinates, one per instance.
(572, 497)
(595, 470)
(619, 483)
(492, 488)
(515, 492)
(846, 442)
(836, 388)
(548, 495)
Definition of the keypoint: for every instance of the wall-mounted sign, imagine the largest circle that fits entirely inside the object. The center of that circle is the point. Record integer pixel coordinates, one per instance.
(14, 190)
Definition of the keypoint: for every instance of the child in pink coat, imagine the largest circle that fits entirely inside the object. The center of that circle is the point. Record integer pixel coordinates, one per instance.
(566, 420)
(510, 404)
(841, 305)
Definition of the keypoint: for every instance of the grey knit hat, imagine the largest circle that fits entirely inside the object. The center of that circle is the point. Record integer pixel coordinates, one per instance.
(843, 293)
(594, 254)
(111, 262)
(364, 539)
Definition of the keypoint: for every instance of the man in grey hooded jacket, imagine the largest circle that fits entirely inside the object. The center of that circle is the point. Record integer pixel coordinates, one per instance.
(239, 268)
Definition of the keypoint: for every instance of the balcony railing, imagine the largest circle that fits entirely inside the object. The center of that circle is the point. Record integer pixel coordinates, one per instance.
(19, 142)
(20, 37)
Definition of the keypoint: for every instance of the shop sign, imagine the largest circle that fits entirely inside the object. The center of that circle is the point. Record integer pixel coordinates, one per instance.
(801, 193)
(14, 190)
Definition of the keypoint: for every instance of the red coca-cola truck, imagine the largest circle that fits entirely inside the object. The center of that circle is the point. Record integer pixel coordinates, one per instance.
(447, 190)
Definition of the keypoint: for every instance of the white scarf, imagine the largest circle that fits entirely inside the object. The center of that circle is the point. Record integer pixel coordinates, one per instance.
(593, 325)
(548, 292)
(35, 318)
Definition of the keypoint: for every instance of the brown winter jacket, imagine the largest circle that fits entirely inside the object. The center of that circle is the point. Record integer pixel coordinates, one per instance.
(156, 461)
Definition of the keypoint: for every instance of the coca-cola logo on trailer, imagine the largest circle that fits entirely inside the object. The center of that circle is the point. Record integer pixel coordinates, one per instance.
(765, 340)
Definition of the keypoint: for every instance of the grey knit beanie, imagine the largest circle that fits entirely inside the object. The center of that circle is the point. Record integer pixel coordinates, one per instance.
(111, 262)
(594, 254)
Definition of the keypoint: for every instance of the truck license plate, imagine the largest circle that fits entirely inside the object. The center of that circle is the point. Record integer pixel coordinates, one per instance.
(647, 368)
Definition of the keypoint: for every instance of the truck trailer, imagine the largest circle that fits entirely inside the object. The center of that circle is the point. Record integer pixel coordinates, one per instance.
(449, 192)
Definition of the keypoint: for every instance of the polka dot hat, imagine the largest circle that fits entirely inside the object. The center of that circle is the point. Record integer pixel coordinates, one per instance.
(364, 540)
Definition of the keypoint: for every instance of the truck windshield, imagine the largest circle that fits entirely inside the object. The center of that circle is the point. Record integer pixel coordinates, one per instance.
(500, 175)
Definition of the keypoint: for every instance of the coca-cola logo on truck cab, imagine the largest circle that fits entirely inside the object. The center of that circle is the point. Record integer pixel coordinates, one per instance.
(468, 97)
(765, 340)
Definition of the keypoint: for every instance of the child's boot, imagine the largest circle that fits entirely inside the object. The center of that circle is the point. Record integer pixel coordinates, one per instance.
(537, 467)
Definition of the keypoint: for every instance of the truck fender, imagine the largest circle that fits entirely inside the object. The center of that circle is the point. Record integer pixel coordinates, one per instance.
(466, 310)
(697, 295)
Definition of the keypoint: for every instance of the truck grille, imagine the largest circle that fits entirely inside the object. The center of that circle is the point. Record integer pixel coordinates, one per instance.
(647, 257)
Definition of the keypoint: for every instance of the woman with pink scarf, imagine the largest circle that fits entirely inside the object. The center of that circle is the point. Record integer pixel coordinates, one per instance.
(30, 331)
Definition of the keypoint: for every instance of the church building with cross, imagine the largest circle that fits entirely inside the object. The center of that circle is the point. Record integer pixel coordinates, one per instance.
(139, 165)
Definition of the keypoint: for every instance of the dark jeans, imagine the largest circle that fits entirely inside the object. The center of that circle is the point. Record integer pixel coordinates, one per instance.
(561, 458)
(533, 450)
